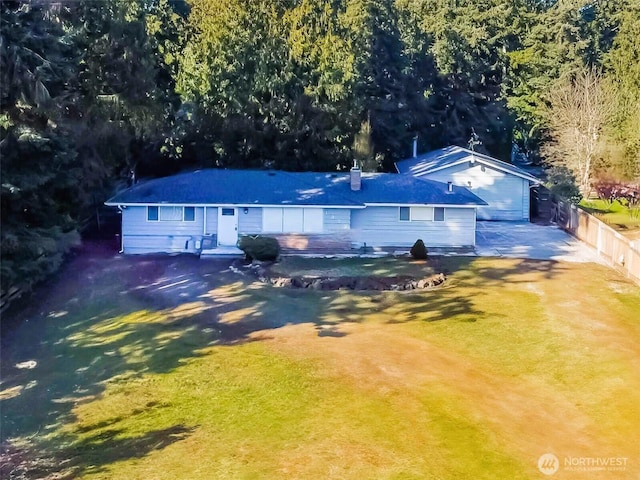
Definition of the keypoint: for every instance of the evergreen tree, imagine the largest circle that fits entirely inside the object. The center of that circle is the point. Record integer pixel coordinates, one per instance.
(623, 72)
(80, 93)
(469, 41)
(271, 81)
(382, 77)
(124, 84)
(554, 39)
(40, 175)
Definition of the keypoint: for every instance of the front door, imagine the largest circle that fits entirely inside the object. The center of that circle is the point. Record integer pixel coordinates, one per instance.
(227, 226)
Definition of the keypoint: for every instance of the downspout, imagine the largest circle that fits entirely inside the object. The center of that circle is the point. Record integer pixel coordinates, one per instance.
(475, 226)
(121, 231)
(204, 223)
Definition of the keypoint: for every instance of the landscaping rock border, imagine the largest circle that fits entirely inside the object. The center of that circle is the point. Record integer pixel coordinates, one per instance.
(352, 283)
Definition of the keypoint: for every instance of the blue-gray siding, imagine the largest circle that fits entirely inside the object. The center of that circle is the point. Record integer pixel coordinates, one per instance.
(375, 226)
(506, 194)
(250, 223)
(337, 219)
(381, 226)
(142, 236)
(212, 221)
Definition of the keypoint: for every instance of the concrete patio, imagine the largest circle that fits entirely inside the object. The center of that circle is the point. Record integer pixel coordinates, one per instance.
(530, 240)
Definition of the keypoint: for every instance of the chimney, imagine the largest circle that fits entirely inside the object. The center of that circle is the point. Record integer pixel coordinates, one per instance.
(415, 146)
(449, 186)
(356, 178)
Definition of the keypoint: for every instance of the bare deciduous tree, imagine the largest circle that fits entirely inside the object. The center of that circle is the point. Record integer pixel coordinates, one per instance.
(580, 107)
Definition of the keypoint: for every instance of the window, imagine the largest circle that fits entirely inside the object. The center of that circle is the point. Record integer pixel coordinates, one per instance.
(421, 214)
(189, 214)
(228, 212)
(152, 214)
(168, 214)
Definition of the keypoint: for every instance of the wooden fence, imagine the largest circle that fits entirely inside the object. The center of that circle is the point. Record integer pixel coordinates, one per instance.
(615, 249)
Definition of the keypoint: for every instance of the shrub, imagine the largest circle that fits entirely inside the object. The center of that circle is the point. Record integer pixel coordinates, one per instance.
(562, 183)
(259, 248)
(419, 251)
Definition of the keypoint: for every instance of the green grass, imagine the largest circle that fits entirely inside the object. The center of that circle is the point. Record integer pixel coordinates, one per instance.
(230, 378)
(614, 214)
(351, 267)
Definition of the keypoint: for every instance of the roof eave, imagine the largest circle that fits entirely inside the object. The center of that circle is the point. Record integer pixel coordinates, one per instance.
(492, 164)
(472, 204)
(110, 203)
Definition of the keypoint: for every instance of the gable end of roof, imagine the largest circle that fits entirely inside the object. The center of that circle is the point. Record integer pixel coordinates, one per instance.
(447, 157)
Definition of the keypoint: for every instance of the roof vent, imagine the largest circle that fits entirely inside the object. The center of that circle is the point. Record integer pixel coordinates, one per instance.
(449, 187)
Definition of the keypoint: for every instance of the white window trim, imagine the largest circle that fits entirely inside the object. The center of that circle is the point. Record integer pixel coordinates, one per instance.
(431, 220)
(159, 207)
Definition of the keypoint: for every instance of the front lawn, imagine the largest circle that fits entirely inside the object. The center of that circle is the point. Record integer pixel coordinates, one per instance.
(173, 367)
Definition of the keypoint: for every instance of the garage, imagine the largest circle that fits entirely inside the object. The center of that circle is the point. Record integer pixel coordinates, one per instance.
(505, 187)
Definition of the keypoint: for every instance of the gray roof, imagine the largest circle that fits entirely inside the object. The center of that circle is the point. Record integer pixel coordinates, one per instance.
(263, 187)
(453, 155)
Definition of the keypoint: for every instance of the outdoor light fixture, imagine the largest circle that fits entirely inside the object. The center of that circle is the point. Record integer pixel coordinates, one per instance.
(246, 210)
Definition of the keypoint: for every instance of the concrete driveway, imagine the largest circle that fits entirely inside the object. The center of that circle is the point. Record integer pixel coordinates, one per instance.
(530, 240)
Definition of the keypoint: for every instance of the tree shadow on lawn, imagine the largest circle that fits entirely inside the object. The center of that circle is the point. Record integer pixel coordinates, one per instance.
(115, 319)
(84, 329)
(89, 455)
(494, 271)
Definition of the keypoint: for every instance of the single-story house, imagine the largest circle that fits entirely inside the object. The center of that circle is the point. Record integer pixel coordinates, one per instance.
(207, 209)
(505, 187)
